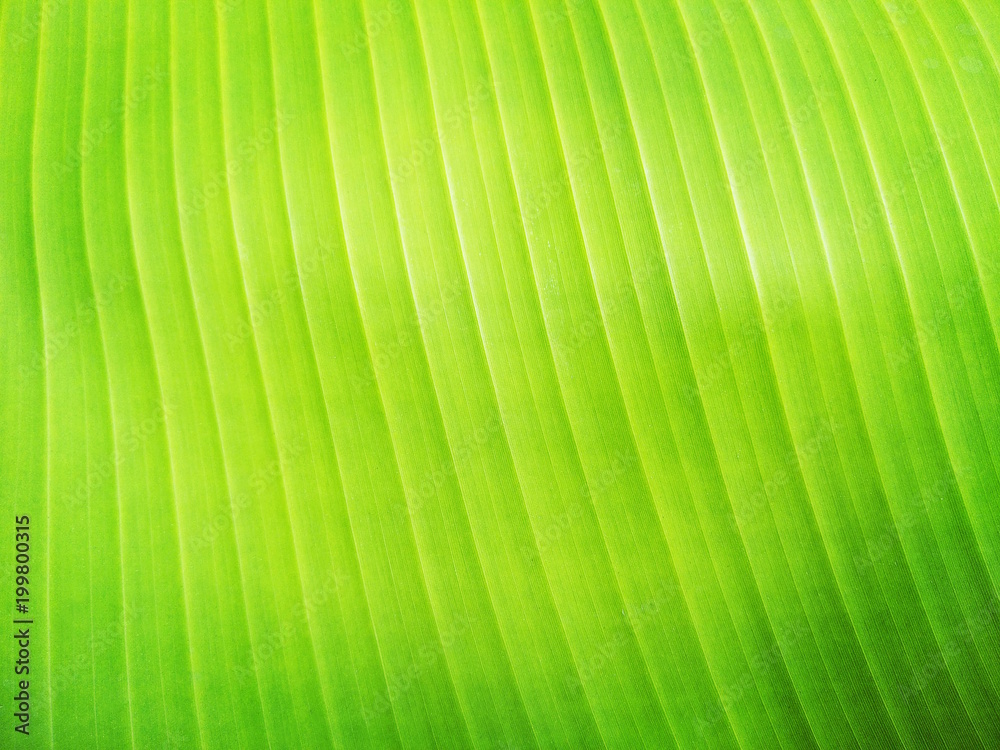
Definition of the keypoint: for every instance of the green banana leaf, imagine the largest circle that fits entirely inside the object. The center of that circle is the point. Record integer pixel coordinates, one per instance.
(499, 374)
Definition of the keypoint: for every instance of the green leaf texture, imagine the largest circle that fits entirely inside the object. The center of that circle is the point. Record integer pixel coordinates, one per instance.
(501, 373)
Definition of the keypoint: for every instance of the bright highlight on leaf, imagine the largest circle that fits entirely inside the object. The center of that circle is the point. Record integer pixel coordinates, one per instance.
(500, 374)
